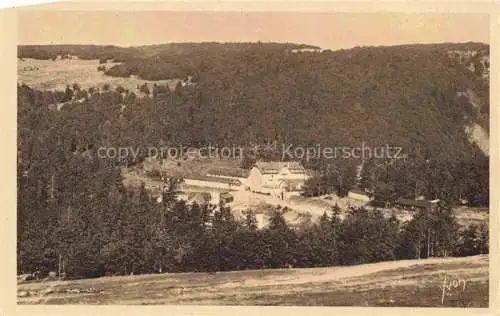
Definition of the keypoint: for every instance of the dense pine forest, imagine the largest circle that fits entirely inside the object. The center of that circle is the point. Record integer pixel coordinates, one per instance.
(74, 209)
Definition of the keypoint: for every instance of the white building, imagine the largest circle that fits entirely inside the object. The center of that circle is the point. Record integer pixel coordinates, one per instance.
(279, 179)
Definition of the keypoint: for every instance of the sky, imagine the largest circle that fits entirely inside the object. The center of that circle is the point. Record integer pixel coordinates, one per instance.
(327, 30)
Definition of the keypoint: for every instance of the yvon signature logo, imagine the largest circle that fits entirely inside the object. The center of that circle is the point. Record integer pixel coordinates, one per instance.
(451, 287)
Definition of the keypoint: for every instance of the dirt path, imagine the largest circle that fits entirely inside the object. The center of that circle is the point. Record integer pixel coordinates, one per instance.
(317, 275)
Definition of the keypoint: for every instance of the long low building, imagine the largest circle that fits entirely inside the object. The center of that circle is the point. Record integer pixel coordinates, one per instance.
(429, 205)
(213, 182)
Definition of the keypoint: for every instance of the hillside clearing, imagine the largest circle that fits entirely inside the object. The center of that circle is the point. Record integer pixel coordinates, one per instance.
(56, 75)
(300, 208)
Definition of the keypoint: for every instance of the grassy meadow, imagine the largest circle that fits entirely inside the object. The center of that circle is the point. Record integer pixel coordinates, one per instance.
(416, 283)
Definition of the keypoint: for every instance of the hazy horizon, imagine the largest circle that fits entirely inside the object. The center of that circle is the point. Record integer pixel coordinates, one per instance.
(326, 30)
(219, 42)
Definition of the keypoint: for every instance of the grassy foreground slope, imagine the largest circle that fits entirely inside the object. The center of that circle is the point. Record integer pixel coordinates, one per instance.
(397, 283)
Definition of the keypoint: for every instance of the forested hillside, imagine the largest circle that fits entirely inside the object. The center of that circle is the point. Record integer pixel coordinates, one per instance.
(118, 53)
(72, 205)
(417, 97)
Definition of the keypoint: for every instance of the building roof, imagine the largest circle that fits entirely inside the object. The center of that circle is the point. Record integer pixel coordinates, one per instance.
(416, 203)
(225, 195)
(214, 179)
(273, 167)
(228, 172)
(199, 197)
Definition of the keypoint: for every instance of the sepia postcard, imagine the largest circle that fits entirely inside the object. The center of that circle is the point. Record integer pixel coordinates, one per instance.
(225, 157)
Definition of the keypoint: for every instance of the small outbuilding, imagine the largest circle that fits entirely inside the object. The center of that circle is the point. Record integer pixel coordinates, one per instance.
(226, 197)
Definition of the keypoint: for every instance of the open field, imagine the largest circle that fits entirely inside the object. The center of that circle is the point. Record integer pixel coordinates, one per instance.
(396, 283)
(56, 75)
(467, 216)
